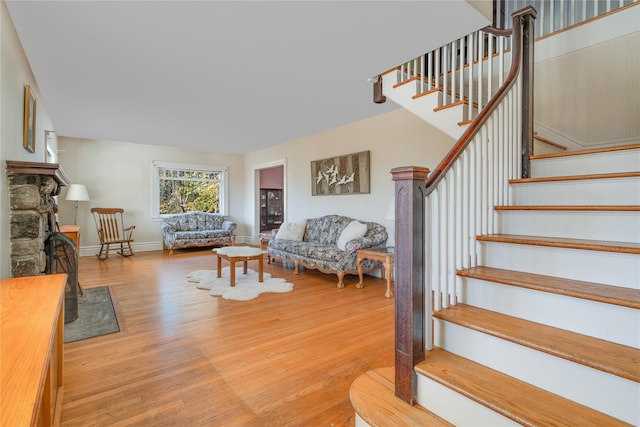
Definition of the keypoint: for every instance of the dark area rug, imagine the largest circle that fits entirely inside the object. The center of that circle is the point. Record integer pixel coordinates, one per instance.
(96, 316)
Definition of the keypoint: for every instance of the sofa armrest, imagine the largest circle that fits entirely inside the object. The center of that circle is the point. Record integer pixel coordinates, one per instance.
(229, 225)
(376, 236)
(361, 243)
(166, 228)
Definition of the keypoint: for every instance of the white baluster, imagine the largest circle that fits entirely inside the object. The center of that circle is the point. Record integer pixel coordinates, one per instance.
(462, 64)
(454, 54)
(500, 62)
(428, 274)
(451, 242)
(490, 66)
(435, 246)
(430, 70)
(443, 250)
(470, 53)
(571, 13)
(481, 39)
(466, 212)
(445, 68)
(438, 67)
(541, 18)
(473, 208)
(483, 182)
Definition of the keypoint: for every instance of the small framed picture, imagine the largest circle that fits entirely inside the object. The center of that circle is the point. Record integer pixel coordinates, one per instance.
(29, 142)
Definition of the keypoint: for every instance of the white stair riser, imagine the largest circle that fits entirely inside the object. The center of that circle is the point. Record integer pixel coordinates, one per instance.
(596, 225)
(456, 408)
(446, 120)
(360, 422)
(620, 191)
(617, 269)
(603, 392)
(608, 162)
(605, 321)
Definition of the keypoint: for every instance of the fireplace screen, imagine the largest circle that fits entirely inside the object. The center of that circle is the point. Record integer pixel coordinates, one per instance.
(62, 257)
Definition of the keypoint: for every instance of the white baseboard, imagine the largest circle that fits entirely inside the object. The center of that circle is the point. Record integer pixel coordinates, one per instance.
(157, 246)
(137, 247)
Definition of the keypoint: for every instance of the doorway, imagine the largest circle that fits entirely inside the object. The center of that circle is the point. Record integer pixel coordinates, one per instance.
(271, 198)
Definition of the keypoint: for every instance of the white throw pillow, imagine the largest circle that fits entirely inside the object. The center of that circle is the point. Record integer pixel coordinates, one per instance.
(354, 230)
(292, 230)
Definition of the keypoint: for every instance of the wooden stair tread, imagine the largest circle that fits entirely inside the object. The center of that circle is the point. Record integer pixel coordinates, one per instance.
(412, 79)
(612, 175)
(429, 92)
(514, 399)
(595, 208)
(589, 151)
(373, 397)
(613, 358)
(608, 294)
(563, 242)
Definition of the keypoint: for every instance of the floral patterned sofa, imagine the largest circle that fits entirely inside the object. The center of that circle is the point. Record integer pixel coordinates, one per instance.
(318, 248)
(196, 229)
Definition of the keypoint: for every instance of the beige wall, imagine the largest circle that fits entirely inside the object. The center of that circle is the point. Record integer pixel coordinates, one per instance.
(15, 72)
(397, 138)
(119, 174)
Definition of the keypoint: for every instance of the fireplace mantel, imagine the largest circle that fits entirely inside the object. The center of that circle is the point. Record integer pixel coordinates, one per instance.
(15, 167)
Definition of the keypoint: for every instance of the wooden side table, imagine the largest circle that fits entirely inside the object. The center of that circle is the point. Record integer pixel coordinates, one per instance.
(72, 232)
(379, 254)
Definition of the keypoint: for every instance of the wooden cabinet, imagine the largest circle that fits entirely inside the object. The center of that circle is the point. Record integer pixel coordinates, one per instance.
(32, 331)
(271, 209)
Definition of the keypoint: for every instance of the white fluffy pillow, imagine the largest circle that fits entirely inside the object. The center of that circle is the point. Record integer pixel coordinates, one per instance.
(292, 230)
(354, 230)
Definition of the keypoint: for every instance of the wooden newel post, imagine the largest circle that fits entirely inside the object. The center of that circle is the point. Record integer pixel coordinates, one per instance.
(409, 283)
(526, 17)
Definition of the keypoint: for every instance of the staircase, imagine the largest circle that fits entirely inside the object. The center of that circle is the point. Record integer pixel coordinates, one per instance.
(532, 285)
(547, 327)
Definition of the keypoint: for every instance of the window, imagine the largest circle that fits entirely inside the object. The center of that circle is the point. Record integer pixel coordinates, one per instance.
(183, 188)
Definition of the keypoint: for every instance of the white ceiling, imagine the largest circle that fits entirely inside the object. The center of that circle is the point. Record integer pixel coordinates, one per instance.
(222, 76)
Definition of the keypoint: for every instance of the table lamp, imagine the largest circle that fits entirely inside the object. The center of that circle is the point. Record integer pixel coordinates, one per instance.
(77, 193)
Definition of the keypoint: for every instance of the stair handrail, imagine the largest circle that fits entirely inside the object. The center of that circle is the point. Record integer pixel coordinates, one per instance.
(454, 153)
(416, 299)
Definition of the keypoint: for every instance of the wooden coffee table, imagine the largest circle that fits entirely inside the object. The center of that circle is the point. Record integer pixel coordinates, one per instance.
(234, 254)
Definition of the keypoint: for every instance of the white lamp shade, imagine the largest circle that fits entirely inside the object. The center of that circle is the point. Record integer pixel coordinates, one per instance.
(78, 193)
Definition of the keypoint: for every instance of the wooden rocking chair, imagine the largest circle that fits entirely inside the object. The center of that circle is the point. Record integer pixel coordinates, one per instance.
(111, 231)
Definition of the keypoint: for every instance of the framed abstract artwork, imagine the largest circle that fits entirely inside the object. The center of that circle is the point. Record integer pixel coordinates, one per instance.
(29, 131)
(348, 174)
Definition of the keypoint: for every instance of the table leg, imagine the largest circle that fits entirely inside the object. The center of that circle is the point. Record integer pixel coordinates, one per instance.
(219, 266)
(244, 267)
(261, 269)
(359, 268)
(232, 271)
(388, 268)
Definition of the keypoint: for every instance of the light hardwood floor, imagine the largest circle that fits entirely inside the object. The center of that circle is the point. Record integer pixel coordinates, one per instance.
(184, 358)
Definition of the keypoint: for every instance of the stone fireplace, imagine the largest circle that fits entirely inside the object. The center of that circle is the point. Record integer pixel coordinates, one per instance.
(32, 190)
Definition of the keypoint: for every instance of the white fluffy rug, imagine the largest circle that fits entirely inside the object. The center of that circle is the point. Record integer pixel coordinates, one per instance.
(247, 286)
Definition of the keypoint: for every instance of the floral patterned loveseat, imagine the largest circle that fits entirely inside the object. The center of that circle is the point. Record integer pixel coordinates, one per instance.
(196, 228)
(319, 249)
